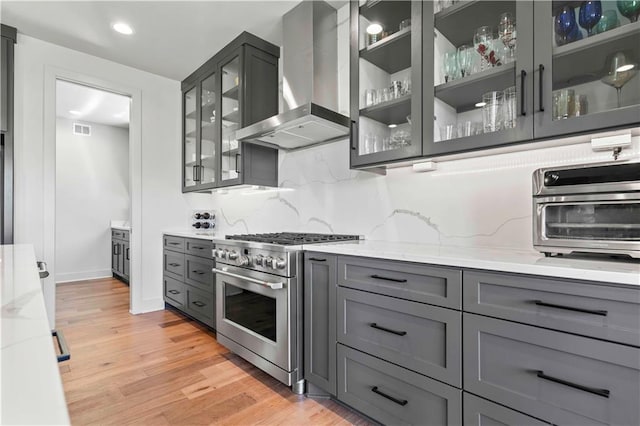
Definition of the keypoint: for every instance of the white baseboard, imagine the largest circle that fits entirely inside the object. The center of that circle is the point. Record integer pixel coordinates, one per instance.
(81, 276)
(148, 306)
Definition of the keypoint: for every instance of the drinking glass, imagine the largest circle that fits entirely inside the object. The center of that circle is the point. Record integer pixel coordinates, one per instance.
(406, 23)
(395, 89)
(566, 103)
(510, 107)
(448, 131)
(507, 33)
(629, 9)
(383, 95)
(482, 42)
(608, 21)
(492, 117)
(370, 97)
(465, 60)
(581, 105)
(406, 86)
(565, 23)
(589, 15)
(450, 62)
(466, 129)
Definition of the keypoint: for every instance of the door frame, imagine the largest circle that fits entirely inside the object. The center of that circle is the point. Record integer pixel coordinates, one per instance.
(51, 75)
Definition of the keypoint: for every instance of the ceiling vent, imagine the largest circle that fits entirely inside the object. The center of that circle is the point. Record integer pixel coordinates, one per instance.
(81, 129)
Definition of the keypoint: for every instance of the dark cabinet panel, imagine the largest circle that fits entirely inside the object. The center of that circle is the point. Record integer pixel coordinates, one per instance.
(320, 284)
(480, 412)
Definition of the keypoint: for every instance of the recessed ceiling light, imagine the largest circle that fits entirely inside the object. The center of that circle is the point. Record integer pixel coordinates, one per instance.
(480, 104)
(392, 126)
(122, 28)
(624, 68)
(374, 28)
(74, 112)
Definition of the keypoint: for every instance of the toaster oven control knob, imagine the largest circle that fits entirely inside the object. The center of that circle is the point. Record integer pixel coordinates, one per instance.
(279, 264)
(233, 255)
(268, 262)
(259, 260)
(244, 261)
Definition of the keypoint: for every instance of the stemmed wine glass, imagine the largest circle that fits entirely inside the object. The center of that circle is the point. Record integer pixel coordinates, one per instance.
(565, 24)
(630, 9)
(465, 60)
(507, 33)
(483, 42)
(589, 15)
(621, 70)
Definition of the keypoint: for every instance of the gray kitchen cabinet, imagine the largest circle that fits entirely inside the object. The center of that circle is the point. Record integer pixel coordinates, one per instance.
(120, 254)
(435, 285)
(557, 377)
(188, 278)
(7, 43)
(397, 330)
(386, 128)
(236, 87)
(592, 309)
(393, 395)
(480, 412)
(320, 285)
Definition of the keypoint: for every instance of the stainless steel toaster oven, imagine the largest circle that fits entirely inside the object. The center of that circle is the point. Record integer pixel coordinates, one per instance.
(592, 208)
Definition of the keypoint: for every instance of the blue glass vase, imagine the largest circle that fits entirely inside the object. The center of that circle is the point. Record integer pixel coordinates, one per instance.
(565, 24)
(589, 15)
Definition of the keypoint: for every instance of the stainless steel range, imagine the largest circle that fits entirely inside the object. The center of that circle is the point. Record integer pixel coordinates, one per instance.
(259, 299)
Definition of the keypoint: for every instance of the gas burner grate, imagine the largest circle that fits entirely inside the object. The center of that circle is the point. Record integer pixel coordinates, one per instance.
(292, 238)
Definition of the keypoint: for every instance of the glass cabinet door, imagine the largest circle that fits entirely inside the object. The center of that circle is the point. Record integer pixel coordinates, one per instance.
(190, 145)
(231, 120)
(386, 95)
(586, 58)
(481, 78)
(208, 166)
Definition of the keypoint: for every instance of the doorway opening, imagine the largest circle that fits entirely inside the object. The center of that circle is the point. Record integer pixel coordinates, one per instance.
(92, 184)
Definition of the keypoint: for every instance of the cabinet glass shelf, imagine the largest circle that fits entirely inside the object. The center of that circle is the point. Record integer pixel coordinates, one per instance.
(232, 93)
(232, 117)
(387, 13)
(463, 93)
(459, 22)
(392, 53)
(390, 112)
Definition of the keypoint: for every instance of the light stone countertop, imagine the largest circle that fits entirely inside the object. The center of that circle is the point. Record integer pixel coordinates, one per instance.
(122, 225)
(32, 390)
(189, 233)
(502, 260)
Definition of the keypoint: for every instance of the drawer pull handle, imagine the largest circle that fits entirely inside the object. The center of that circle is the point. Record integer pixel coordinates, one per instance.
(388, 330)
(173, 243)
(197, 247)
(317, 259)
(571, 308)
(600, 392)
(395, 280)
(174, 292)
(199, 304)
(402, 402)
(198, 272)
(174, 264)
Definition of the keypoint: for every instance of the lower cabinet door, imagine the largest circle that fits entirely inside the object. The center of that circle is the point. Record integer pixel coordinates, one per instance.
(201, 306)
(125, 260)
(558, 377)
(174, 292)
(393, 395)
(115, 256)
(480, 412)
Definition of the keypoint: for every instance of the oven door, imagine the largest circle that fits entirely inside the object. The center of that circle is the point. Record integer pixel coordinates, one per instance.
(253, 311)
(599, 222)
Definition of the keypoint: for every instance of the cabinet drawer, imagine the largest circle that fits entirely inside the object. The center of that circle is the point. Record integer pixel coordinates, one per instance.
(173, 264)
(198, 272)
(120, 234)
(396, 330)
(480, 412)
(419, 283)
(173, 243)
(557, 377)
(174, 292)
(202, 248)
(201, 305)
(393, 395)
(590, 309)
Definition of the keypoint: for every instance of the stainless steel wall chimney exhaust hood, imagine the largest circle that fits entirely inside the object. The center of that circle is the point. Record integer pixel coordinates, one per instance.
(310, 83)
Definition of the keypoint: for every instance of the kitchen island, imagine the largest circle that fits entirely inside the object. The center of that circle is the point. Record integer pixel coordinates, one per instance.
(32, 391)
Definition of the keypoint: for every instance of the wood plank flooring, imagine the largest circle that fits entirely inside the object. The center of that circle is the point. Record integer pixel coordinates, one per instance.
(162, 368)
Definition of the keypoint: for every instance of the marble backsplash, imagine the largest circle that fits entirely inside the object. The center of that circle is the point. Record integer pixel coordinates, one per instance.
(481, 202)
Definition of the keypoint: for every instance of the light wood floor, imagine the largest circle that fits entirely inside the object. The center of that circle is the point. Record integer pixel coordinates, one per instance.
(162, 368)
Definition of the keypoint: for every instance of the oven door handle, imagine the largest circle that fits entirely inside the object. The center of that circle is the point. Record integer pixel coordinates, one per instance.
(272, 286)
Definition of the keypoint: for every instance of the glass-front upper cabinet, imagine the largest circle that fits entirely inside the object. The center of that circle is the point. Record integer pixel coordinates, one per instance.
(231, 120)
(386, 81)
(481, 74)
(207, 170)
(586, 60)
(190, 147)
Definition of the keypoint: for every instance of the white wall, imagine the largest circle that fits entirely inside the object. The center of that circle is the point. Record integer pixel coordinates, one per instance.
(161, 205)
(92, 188)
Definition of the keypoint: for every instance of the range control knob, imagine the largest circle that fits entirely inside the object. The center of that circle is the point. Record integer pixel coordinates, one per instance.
(233, 255)
(268, 262)
(259, 260)
(244, 261)
(221, 254)
(279, 264)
